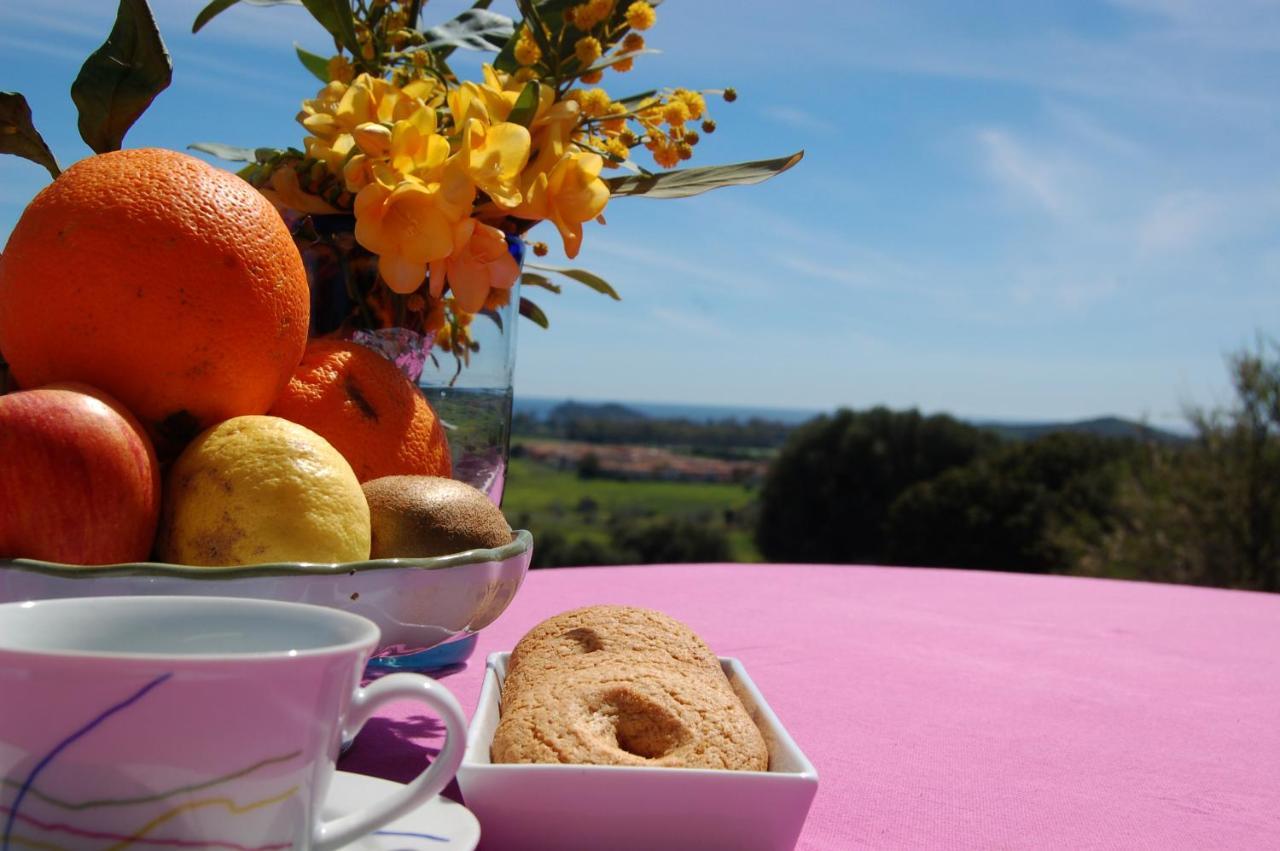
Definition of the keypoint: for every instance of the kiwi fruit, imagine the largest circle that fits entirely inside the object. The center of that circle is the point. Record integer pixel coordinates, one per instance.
(423, 516)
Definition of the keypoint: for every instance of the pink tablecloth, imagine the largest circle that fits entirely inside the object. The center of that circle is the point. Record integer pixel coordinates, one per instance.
(966, 709)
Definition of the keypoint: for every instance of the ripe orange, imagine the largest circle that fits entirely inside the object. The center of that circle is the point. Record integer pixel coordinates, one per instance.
(170, 284)
(368, 409)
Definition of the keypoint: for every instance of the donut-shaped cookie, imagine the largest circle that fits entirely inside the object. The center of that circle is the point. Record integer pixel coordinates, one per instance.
(597, 636)
(630, 715)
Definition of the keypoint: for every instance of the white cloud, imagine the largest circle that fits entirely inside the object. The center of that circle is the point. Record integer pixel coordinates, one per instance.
(799, 119)
(1025, 173)
(1176, 223)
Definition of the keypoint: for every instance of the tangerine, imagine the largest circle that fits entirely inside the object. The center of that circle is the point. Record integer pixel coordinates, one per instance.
(172, 285)
(368, 409)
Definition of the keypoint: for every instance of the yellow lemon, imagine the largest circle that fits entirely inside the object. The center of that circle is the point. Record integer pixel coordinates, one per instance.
(259, 489)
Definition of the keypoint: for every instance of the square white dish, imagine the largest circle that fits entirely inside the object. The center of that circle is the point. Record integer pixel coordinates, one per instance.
(569, 807)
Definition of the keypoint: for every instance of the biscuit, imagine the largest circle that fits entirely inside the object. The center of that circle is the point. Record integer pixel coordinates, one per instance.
(631, 716)
(601, 635)
(617, 685)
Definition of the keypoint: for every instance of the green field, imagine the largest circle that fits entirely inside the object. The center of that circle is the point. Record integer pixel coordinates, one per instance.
(541, 498)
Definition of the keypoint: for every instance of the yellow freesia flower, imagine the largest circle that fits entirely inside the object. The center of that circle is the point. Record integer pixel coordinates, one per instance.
(374, 139)
(494, 157)
(412, 224)
(479, 262)
(563, 184)
(286, 193)
(333, 153)
(416, 147)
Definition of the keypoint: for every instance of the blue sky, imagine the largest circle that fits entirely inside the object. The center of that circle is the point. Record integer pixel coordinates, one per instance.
(1013, 210)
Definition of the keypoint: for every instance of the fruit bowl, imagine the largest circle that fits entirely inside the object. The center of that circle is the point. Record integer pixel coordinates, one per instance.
(417, 603)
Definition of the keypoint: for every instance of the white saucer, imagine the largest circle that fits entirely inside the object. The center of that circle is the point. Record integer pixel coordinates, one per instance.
(438, 825)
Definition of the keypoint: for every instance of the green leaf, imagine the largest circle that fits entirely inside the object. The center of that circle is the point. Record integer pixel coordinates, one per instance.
(532, 279)
(233, 154)
(120, 79)
(634, 101)
(526, 105)
(18, 134)
(313, 62)
(582, 276)
(606, 62)
(532, 312)
(335, 16)
(683, 183)
(217, 7)
(474, 29)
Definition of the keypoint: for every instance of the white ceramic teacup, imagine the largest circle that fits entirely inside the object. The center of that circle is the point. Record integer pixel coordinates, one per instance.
(191, 722)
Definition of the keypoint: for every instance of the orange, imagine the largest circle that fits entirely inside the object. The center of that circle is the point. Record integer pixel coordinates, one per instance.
(368, 409)
(170, 284)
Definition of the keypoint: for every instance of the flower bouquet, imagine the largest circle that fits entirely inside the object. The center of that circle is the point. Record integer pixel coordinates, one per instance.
(438, 179)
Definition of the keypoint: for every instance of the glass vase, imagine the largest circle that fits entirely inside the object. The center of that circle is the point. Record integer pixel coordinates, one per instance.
(470, 387)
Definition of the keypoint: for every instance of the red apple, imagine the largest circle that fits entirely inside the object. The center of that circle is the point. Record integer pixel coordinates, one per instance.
(79, 482)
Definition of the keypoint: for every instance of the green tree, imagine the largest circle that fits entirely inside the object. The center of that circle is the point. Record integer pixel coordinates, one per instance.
(827, 495)
(1004, 510)
(1206, 513)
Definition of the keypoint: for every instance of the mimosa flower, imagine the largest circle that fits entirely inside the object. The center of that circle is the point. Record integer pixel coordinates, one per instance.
(494, 157)
(527, 50)
(675, 113)
(632, 43)
(592, 13)
(411, 225)
(480, 261)
(588, 50)
(695, 102)
(640, 15)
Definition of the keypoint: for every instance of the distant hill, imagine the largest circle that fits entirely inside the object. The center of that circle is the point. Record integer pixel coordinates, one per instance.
(611, 411)
(1100, 426)
(561, 413)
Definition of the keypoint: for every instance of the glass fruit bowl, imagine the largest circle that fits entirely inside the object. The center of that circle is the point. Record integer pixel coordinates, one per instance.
(428, 609)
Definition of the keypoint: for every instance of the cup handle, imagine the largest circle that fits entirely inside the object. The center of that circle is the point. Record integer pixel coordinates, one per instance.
(332, 835)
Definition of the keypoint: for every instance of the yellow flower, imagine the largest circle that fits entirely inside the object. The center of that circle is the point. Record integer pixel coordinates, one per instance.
(374, 139)
(494, 156)
(340, 69)
(527, 50)
(593, 77)
(693, 101)
(588, 50)
(413, 223)
(640, 15)
(675, 113)
(568, 194)
(416, 147)
(632, 43)
(332, 153)
(479, 262)
(665, 155)
(617, 150)
(594, 102)
(285, 192)
(623, 65)
(590, 14)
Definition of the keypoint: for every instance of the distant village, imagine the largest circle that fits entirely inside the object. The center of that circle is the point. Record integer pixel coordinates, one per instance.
(631, 462)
